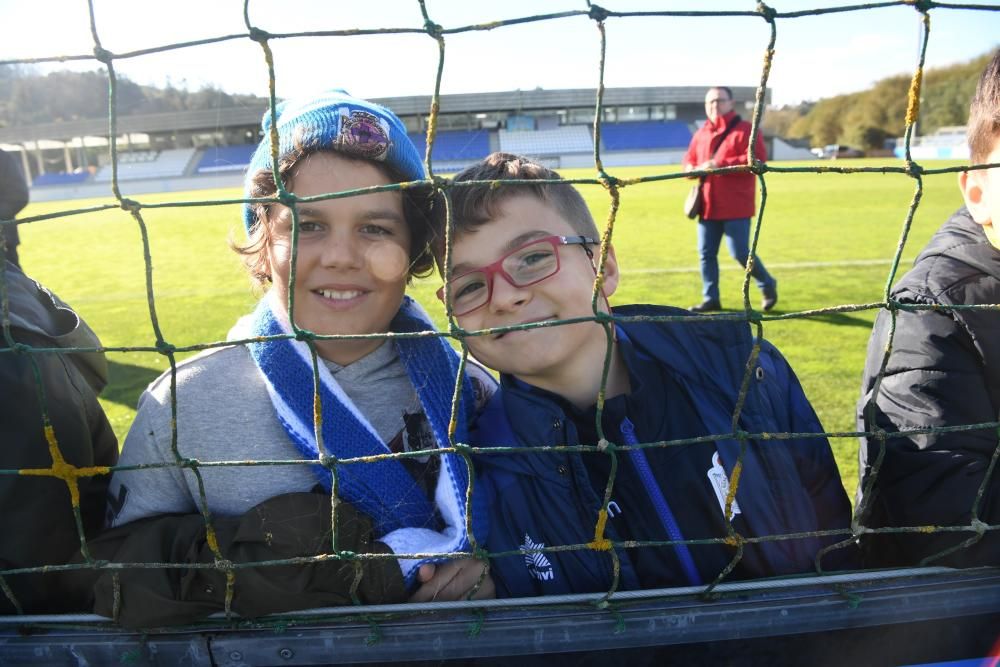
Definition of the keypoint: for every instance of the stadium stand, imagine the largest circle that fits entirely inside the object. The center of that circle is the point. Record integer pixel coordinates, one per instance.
(565, 140)
(59, 179)
(149, 164)
(645, 135)
(455, 145)
(225, 158)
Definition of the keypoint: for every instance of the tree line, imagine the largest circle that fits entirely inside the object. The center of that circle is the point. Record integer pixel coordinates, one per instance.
(29, 98)
(867, 118)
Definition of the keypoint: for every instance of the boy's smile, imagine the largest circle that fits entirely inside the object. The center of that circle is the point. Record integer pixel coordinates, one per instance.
(353, 254)
(565, 359)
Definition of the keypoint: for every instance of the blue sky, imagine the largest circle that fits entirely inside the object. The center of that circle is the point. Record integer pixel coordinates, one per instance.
(816, 56)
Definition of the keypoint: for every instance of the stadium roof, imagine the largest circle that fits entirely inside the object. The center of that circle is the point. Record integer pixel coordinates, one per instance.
(514, 101)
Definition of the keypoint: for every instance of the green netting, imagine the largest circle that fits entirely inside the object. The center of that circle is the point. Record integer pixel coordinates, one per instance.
(615, 188)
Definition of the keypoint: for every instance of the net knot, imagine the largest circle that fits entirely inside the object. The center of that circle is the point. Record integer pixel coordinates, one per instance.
(440, 182)
(605, 445)
(189, 463)
(609, 181)
(258, 35)
(129, 205)
(913, 169)
(163, 347)
(433, 29)
(223, 564)
(922, 6)
(768, 13)
(103, 55)
(735, 540)
(304, 335)
(328, 461)
(979, 526)
(598, 13)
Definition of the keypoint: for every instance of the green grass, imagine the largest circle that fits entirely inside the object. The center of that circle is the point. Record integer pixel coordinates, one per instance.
(827, 238)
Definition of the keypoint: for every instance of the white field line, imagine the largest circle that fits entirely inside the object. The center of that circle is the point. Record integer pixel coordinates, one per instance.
(904, 263)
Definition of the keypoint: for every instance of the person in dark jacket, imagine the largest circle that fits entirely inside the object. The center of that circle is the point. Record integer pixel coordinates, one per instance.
(943, 370)
(13, 198)
(50, 422)
(525, 255)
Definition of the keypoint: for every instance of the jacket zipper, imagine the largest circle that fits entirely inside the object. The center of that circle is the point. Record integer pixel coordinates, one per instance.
(666, 517)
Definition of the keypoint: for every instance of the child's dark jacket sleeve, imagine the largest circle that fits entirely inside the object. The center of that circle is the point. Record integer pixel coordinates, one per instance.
(287, 526)
(935, 377)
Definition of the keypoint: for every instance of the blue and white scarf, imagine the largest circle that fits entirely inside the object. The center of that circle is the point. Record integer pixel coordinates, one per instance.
(403, 516)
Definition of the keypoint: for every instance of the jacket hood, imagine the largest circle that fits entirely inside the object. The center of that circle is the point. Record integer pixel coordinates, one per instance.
(37, 311)
(701, 342)
(960, 241)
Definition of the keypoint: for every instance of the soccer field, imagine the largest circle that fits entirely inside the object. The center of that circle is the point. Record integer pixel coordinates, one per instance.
(827, 238)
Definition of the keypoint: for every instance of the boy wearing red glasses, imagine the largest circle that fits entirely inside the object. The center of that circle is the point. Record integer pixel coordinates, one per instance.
(524, 254)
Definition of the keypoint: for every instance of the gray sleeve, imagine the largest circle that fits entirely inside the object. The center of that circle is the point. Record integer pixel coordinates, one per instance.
(136, 494)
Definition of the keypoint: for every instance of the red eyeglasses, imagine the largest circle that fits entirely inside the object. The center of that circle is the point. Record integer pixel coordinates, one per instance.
(526, 265)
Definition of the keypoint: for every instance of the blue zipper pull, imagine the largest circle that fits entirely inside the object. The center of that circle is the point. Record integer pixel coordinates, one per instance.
(628, 432)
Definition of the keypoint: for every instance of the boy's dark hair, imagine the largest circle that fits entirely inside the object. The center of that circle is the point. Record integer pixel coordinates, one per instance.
(475, 205)
(984, 112)
(415, 210)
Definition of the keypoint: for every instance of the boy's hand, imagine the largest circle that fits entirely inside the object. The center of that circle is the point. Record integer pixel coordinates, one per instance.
(453, 580)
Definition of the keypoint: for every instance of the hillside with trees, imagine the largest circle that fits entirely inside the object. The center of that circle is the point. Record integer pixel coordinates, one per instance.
(28, 98)
(867, 118)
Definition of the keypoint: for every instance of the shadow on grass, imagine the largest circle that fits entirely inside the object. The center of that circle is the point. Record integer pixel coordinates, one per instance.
(843, 320)
(127, 382)
(836, 319)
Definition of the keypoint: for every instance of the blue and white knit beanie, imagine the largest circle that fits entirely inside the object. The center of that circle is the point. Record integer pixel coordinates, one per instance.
(337, 121)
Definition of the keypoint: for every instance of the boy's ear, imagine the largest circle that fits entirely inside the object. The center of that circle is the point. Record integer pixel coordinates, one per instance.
(975, 194)
(611, 273)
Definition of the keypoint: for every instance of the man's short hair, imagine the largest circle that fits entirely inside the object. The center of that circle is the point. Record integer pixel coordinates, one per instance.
(727, 89)
(984, 112)
(475, 205)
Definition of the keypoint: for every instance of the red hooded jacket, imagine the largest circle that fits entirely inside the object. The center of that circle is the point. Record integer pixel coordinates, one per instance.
(726, 196)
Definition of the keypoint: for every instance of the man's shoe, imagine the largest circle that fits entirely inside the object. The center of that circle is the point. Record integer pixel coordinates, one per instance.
(770, 297)
(707, 306)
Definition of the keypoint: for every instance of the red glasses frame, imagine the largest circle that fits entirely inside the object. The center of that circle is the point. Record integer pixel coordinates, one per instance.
(496, 268)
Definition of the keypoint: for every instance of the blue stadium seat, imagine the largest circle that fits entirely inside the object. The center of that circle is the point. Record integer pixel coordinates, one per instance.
(455, 145)
(225, 158)
(59, 179)
(561, 140)
(644, 135)
(169, 163)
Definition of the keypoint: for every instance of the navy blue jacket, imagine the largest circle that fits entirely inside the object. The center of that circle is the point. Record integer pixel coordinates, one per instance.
(545, 499)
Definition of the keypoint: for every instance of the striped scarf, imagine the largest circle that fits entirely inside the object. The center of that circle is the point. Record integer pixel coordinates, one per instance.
(403, 516)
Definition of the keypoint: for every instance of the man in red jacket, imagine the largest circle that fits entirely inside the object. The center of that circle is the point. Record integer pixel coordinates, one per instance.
(727, 199)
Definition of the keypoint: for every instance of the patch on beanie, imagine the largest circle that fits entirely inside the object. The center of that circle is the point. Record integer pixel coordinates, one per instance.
(363, 134)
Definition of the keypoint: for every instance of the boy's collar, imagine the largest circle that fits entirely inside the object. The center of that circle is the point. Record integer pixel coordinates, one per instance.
(623, 344)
